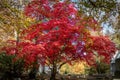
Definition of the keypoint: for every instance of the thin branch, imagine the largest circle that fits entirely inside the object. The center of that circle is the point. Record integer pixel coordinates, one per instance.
(92, 3)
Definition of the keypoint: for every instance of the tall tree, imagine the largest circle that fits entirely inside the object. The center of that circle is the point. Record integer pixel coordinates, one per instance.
(12, 19)
(106, 12)
(64, 35)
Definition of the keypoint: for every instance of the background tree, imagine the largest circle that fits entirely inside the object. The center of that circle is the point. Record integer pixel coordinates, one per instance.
(12, 20)
(105, 12)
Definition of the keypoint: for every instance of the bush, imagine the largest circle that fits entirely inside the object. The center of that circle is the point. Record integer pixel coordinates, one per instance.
(9, 67)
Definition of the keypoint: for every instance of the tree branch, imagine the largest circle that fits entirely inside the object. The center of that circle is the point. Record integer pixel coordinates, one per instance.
(92, 3)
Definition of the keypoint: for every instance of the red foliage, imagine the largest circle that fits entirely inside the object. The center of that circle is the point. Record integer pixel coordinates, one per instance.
(104, 47)
(64, 34)
(27, 51)
(61, 36)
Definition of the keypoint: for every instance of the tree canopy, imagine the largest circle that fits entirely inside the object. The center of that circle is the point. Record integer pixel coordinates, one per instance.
(61, 34)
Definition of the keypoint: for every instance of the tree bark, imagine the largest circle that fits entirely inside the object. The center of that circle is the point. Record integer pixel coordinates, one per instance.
(53, 72)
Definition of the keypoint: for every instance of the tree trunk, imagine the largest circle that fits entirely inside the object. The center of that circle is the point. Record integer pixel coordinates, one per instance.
(32, 74)
(43, 69)
(53, 72)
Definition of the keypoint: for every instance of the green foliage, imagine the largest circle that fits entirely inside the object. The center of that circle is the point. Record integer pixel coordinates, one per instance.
(10, 68)
(99, 9)
(100, 68)
(104, 11)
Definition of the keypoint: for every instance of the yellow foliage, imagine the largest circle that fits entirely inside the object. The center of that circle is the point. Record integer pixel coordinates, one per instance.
(11, 26)
(76, 68)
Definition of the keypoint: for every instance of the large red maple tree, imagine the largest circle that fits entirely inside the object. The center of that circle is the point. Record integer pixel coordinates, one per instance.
(61, 36)
(64, 34)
